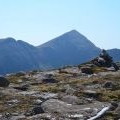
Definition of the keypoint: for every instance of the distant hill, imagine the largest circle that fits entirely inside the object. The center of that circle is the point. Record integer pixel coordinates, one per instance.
(71, 48)
(17, 56)
(115, 53)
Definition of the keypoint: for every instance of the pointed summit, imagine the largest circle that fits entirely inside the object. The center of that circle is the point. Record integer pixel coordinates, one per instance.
(74, 32)
(70, 48)
(73, 38)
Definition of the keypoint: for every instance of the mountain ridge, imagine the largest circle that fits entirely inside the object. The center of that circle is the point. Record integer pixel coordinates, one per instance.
(70, 48)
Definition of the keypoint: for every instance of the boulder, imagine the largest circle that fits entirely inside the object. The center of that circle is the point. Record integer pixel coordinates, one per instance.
(75, 112)
(87, 70)
(34, 111)
(37, 110)
(92, 94)
(4, 82)
(23, 87)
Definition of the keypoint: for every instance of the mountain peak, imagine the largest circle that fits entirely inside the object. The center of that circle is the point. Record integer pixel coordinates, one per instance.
(73, 33)
(71, 38)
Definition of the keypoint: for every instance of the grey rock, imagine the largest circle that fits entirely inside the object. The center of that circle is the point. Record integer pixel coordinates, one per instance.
(37, 102)
(19, 117)
(69, 90)
(55, 106)
(43, 116)
(47, 95)
(71, 99)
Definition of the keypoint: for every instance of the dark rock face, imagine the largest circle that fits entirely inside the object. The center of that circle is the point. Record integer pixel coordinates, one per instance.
(22, 87)
(4, 82)
(87, 70)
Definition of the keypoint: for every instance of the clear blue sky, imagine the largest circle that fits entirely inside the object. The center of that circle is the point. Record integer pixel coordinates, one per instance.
(37, 21)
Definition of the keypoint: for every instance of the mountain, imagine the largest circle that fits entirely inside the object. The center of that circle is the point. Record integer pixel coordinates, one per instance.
(115, 53)
(17, 56)
(71, 48)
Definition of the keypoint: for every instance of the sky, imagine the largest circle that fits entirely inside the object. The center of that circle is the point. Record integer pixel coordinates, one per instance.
(38, 21)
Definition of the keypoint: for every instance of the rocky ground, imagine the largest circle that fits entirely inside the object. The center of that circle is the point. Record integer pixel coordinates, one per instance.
(64, 94)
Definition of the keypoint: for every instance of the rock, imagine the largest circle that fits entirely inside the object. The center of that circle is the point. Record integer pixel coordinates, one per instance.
(37, 102)
(19, 117)
(4, 82)
(87, 70)
(34, 111)
(14, 101)
(92, 94)
(46, 95)
(110, 85)
(37, 110)
(70, 99)
(56, 106)
(49, 80)
(59, 107)
(114, 105)
(69, 90)
(22, 87)
(49, 75)
(44, 116)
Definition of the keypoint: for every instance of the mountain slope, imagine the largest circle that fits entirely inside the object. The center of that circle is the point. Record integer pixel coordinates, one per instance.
(17, 56)
(70, 48)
